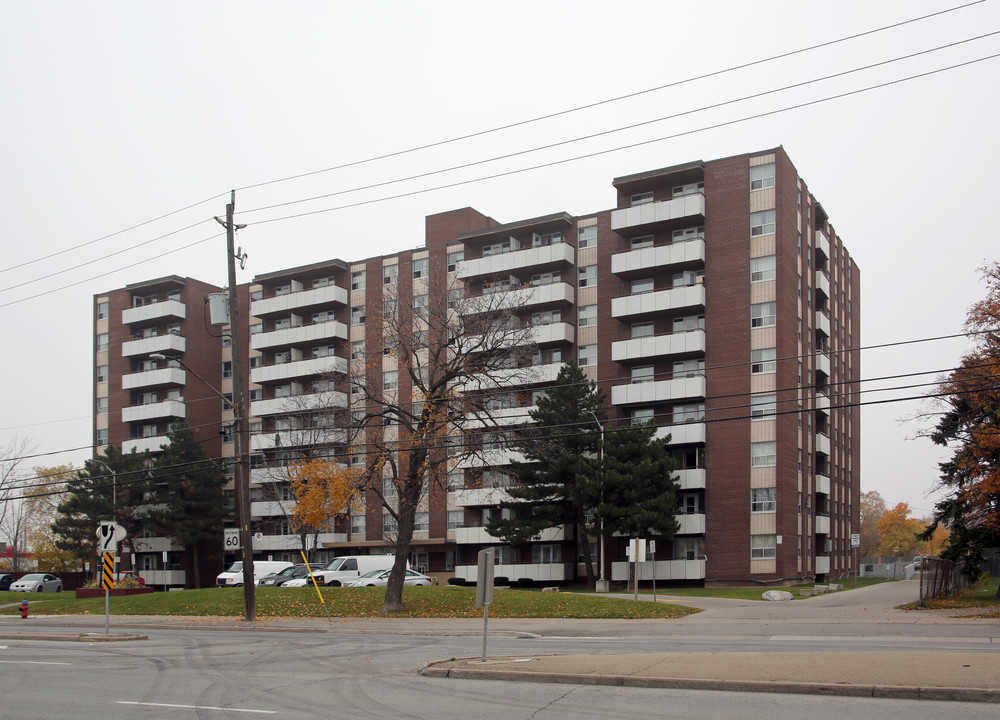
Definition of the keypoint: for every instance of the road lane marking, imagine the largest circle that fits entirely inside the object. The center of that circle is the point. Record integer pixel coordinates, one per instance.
(31, 662)
(196, 707)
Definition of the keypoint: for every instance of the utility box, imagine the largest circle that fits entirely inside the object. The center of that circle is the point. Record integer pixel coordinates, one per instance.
(218, 309)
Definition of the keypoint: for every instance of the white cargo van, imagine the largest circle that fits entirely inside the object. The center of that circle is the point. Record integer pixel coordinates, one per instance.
(233, 576)
(351, 567)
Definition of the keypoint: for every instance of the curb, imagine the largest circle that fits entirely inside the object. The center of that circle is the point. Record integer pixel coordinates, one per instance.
(896, 692)
(70, 636)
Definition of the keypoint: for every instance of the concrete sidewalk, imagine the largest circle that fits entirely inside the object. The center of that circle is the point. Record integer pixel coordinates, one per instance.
(969, 676)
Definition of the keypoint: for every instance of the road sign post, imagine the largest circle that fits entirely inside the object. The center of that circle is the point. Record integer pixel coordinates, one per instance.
(484, 588)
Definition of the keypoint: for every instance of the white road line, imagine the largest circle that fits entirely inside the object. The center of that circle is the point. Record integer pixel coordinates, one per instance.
(196, 707)
(30, 662)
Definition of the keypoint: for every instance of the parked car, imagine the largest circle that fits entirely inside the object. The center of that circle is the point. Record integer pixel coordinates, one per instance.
(348, 568)
(6, 581)
(233, 575)
(380, 578)
(127, 575)
(291, 573)
(37, 582)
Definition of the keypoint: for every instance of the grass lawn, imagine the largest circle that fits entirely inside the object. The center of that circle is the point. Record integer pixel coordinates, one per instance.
(430, 602)
(982, 597)
(748, 593)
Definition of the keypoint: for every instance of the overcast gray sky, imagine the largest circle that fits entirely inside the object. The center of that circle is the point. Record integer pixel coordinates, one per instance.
(117, 113)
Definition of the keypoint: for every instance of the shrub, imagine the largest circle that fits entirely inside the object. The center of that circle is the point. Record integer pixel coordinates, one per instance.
(525, 582)
(456, 581)
(501, 580)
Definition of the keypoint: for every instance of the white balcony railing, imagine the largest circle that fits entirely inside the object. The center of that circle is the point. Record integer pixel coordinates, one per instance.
(692, 341)
(693, 479)
(299, 368)
(682, 433)
(299, 335)
(539, 572)
(680, 298)
(154, 378)
(655, 212)
(145, 444)
(649, 258)
(298, 404)
(171, 309)
(822, 564)
(557, 255)
(662, 570)
(658, 391)
(821, 526)
(169, 344)
(154, 411)
(302, 300)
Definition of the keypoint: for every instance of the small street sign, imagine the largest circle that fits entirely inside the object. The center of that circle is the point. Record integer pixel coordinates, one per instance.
(855, 540)
(231, 539)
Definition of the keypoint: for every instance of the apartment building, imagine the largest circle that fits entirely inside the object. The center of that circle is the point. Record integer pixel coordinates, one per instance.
(715, 298)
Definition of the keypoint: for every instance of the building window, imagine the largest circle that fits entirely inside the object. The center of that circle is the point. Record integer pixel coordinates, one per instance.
(688, 278)
(762, 314)
(688, 234)
(357, 524)
(588, 276)
(256, 361)
(694, 412)
(102, 436)
(102, 311)
(546, 239)
(421, 522)
(256, 394)
(642, 373)
(643, 285)
(762, 223)
(389, 274)
(587, 237)
(322, 282)
(454, 258)
(421, 267)
(763, 406)
(691, 322)
(421, 302)
(282, 290)
(762, 361)
(763, 500)
(545, 554)
(641, 416)
(642, 198)
(390, 380)
(643, 241)
(389, 524)
(587, 355)
(763, 454)
(256, 328)
(762, 268)
(102, 373)
(358, 280)
(456, 519)
(357, 350)
(587, 316)
(763, 547)
(688, 189)
(358, 315)
(762, 176)
(642, 329)
(227, 369)
(693, 367)
(102, 342)
(102, 406)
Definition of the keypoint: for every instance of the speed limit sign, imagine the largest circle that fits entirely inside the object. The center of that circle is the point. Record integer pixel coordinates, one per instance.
(231, 539)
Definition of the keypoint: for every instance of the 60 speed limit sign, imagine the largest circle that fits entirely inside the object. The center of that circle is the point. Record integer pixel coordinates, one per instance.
(231, 539)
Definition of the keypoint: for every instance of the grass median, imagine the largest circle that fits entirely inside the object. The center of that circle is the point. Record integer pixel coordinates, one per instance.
(419, 602)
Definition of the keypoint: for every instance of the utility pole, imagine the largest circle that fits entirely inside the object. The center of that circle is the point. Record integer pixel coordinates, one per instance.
(242, 435)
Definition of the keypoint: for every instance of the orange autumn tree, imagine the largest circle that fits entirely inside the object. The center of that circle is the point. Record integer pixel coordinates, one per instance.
(898, 532)
(324, 491)
(970, 428)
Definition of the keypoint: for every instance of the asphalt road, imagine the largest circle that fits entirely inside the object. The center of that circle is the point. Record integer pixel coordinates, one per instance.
(368, 669)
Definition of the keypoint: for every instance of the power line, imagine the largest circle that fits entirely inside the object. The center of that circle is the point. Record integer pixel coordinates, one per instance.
(607, 101)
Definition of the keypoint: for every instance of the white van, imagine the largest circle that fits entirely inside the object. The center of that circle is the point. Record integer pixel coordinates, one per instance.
(351, 567)
(233, 576)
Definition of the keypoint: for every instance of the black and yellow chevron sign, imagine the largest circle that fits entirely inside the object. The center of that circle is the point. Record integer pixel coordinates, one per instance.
(108, 576)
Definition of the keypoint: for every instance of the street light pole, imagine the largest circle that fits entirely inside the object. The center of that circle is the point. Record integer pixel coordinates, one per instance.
(602, 584)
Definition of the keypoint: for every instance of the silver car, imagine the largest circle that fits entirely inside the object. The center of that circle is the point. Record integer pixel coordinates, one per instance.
(38, 582)
(380, 578)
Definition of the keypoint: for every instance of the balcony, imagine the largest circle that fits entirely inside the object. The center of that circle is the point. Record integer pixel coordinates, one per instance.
(822, 284)
(301, 335)
(822, 483)
(272, 508)
(691, 297)
(821, 402)
(525, 296)
(822, 443)
(541, 258)
(294, 404)
(539, 572)
(298, 369)
(492, 457)
(514, 377)
(481, 497)
(821, 525)
(305, 299)
(154, 411)
(693, 479)
(553, 333)
(691, 524)
(822, 564)
(504, 416)
(823, 323)
(684, 253)
(679, 343)
(656, 213)
(822, 245)
(682, 433)
(658, 391)
(661, 570)
(146, 444)
(154, 378)
(822, 363)
(156, 544)
(169, 344)
(171, 309)
(479, 536)
(296, 438)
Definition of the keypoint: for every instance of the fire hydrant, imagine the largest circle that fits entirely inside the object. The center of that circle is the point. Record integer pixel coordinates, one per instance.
(24, 609)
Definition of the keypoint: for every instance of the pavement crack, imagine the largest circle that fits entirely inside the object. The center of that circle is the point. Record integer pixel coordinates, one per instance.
(552, 702)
